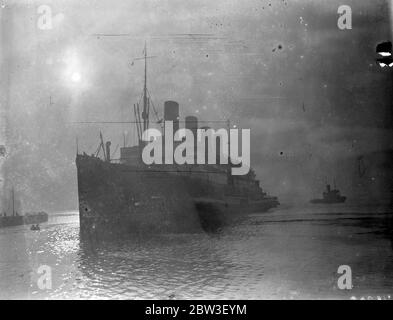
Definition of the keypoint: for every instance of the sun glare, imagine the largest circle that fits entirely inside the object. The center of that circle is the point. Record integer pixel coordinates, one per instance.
(76, 77)
(73, 69)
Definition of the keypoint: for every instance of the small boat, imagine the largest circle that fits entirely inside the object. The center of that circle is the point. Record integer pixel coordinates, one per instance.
(35, 227)
(330, 196)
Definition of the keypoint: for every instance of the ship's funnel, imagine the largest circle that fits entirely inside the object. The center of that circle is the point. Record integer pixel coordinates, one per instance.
(211, 143)
(192, 124)
(207, 146)
(171, 113)
(108, 151)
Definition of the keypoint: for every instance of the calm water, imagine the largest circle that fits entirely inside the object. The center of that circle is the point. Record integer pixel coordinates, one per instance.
(289, 253)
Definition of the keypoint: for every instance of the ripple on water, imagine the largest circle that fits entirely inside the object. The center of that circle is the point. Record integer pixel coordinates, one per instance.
(284, 254)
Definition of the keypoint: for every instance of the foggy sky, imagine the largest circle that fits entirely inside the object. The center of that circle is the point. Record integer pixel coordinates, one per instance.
(256, 62)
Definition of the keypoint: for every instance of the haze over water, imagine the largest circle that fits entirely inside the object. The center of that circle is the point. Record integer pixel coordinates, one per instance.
(289, 253)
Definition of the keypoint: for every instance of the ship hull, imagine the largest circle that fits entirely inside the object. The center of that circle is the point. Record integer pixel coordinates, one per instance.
(329, 201)
(12, 221)
(117, 200)
(215, 214)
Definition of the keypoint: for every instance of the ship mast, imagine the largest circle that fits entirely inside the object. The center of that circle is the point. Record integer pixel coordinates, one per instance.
(146, 101)
(145, 113)
(13, 201)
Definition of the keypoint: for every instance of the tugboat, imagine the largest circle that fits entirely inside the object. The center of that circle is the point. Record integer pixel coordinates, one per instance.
(330, 196)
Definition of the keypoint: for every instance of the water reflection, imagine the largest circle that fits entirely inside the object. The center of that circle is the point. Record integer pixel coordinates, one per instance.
(155, 267)
(288, 253)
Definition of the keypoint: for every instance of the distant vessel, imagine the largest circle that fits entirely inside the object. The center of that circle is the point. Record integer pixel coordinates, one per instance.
(125, 196)
(330, 196)
(15, 218)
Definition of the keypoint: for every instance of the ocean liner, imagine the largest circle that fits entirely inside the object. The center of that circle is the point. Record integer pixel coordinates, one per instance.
(119, 197)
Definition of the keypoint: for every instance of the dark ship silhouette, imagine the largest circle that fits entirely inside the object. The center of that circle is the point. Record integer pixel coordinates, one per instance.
(15, 218)
(330, 196)
(125, 196)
